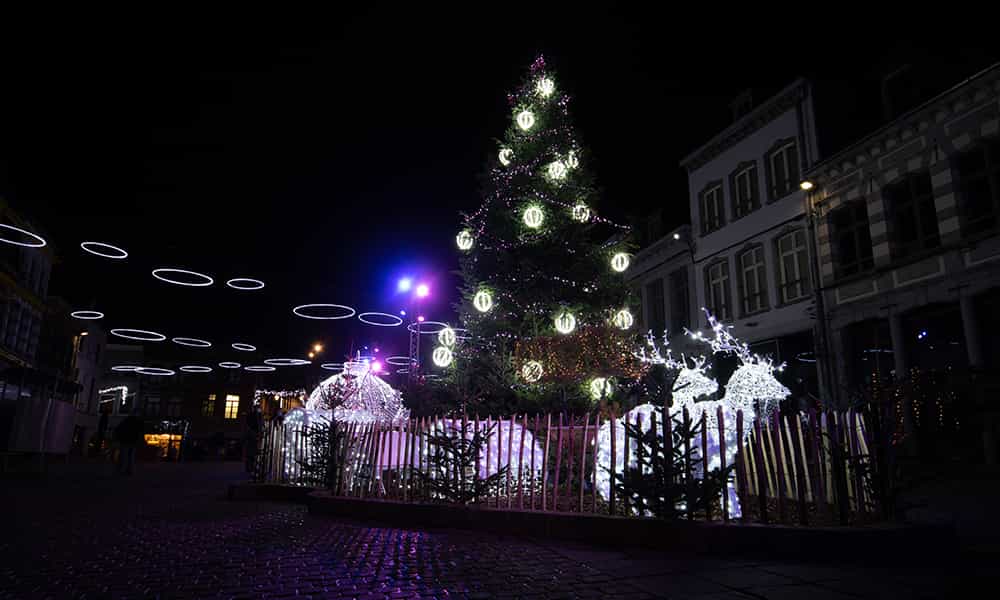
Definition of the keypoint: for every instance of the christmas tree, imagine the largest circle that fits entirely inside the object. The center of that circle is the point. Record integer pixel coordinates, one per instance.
(544, 293)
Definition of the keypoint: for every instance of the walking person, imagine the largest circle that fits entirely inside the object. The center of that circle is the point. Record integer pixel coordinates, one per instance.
(128, 434)
(255, 421)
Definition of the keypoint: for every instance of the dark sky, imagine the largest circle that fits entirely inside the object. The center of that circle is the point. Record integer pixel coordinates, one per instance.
(330, 155)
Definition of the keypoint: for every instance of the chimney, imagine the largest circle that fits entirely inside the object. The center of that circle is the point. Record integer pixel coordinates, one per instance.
(742, 104)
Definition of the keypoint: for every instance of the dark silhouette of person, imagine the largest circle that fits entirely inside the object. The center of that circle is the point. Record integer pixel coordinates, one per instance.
(128, 434)
(255, 421)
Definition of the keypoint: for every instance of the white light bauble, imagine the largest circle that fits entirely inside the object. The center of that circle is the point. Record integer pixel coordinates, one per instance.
(600, 387)
(532, 371)
(442, 356)
(565, 322)
(525, 120)
(545, 87)
(571, 160)
(533, 217)
(623, 319)
(581, 212)
(505, 155)
(557, 170)
(483, 301)
(619, 262)
(464, 239)
(447, 336)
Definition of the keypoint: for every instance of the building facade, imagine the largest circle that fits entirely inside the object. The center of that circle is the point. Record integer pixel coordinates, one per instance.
(751, 248)
(906, 225)
(662, 275)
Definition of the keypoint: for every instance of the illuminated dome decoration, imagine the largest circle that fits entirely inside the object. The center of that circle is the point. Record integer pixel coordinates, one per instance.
(545, 87)
(447, 337)
(623, 319)
(358, 395)
(557, 170)
(483, 301)
(533, 217)
(619, 262)
(571, 160)
(565, 322)
(525, 120)
(464, 239)
(600, 387)
(532, 371)
(581, 213)
(442, 356)
(505, 155)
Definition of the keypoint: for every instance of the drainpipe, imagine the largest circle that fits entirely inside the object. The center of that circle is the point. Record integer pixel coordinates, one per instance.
(824, 356)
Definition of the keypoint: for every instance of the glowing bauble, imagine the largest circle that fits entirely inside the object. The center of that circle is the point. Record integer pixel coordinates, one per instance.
(447, 336)
(572, 161)
(483, 301)
(581, 212)
(545, 87)
(505, 155)
(533, 217)
(623, 319)
(532, 371)
(525, 120)
(557, 170)
(600, 387)
(464, 239)
(442, 356)
(565, 322)
(619, 262)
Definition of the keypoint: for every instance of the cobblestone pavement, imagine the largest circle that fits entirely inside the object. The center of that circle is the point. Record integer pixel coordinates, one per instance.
(168, 532)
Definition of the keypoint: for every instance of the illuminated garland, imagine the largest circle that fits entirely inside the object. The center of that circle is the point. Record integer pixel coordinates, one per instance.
(591, 351)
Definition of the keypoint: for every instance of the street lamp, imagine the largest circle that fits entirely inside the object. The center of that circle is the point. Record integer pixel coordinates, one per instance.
(423, 290)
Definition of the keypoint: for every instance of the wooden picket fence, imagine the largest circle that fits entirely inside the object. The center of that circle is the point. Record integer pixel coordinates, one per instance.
(803, 468)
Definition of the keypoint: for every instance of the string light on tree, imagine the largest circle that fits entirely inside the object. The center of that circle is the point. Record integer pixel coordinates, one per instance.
(623, 319)
(442, 356)
(447, 337)
(600, 387)
(545, 87)
(581, 212)
(525, 120)
(505, 155)
(483, 301)
(565, 322)
(464, 240)
(534, 217)
(557, 170)
(532, 371)
(620, 262)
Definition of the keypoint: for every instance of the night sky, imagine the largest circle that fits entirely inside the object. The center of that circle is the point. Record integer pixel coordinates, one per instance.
(330, 156)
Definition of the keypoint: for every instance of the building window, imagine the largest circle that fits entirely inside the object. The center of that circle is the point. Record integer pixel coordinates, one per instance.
(208, 406)
(656, 308)
(717, 290)
(978, 175)
(713, 214)
(232, 406)
(743, 182)
(913, 215)
(793, 269)
(852, 239)
(153, 406)
(783, 169)
(680, 301)
(174, 407)
(753, 280)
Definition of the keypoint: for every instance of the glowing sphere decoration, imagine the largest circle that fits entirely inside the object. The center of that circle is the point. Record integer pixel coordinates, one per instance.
(483, 301)
(464, 240)
(571, 160)
(447, 337)
(533, 217)
(581, 212)
(557, 170)
(532, 371)
(505, 155)
(442, 356)
(545, 87)
(525, 120)
(619, 262)
(600, 387)
(623, 319)
(565, 322)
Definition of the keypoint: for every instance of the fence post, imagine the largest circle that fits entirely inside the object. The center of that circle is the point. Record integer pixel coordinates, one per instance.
(569, 466)
(534, 441)
(475, 488)
(593, 483)
(489, 447)
(704, 462)
(802, 483)
(720, 421)
(761, 476)
(626, 479)
(520, 462)
(555, 484)
(510, 452)
(779, 461)
(741, 470)
(614, 465)
(688, 479)
(583, 457)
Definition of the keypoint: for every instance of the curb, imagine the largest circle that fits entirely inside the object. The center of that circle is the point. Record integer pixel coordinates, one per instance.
(268, 491)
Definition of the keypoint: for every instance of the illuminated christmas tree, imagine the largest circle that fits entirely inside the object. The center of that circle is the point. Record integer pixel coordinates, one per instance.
(544, 294)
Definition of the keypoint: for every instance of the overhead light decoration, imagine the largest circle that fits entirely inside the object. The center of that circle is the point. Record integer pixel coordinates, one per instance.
(571, 160)
(525, 120)
(442, 356)
(806, 185)
(167, 275)
(557, 170)
(600, 387)
(533, 217)
(464, 240)
(565, 322)
(87, 315)
(619, 262)
(36, 241)
(545, 87)
(104, 250)
(623, 319)
(532, 371)
(483, 301)
(505, 155)
(581, 212)
(447, 337)
(245, 283)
